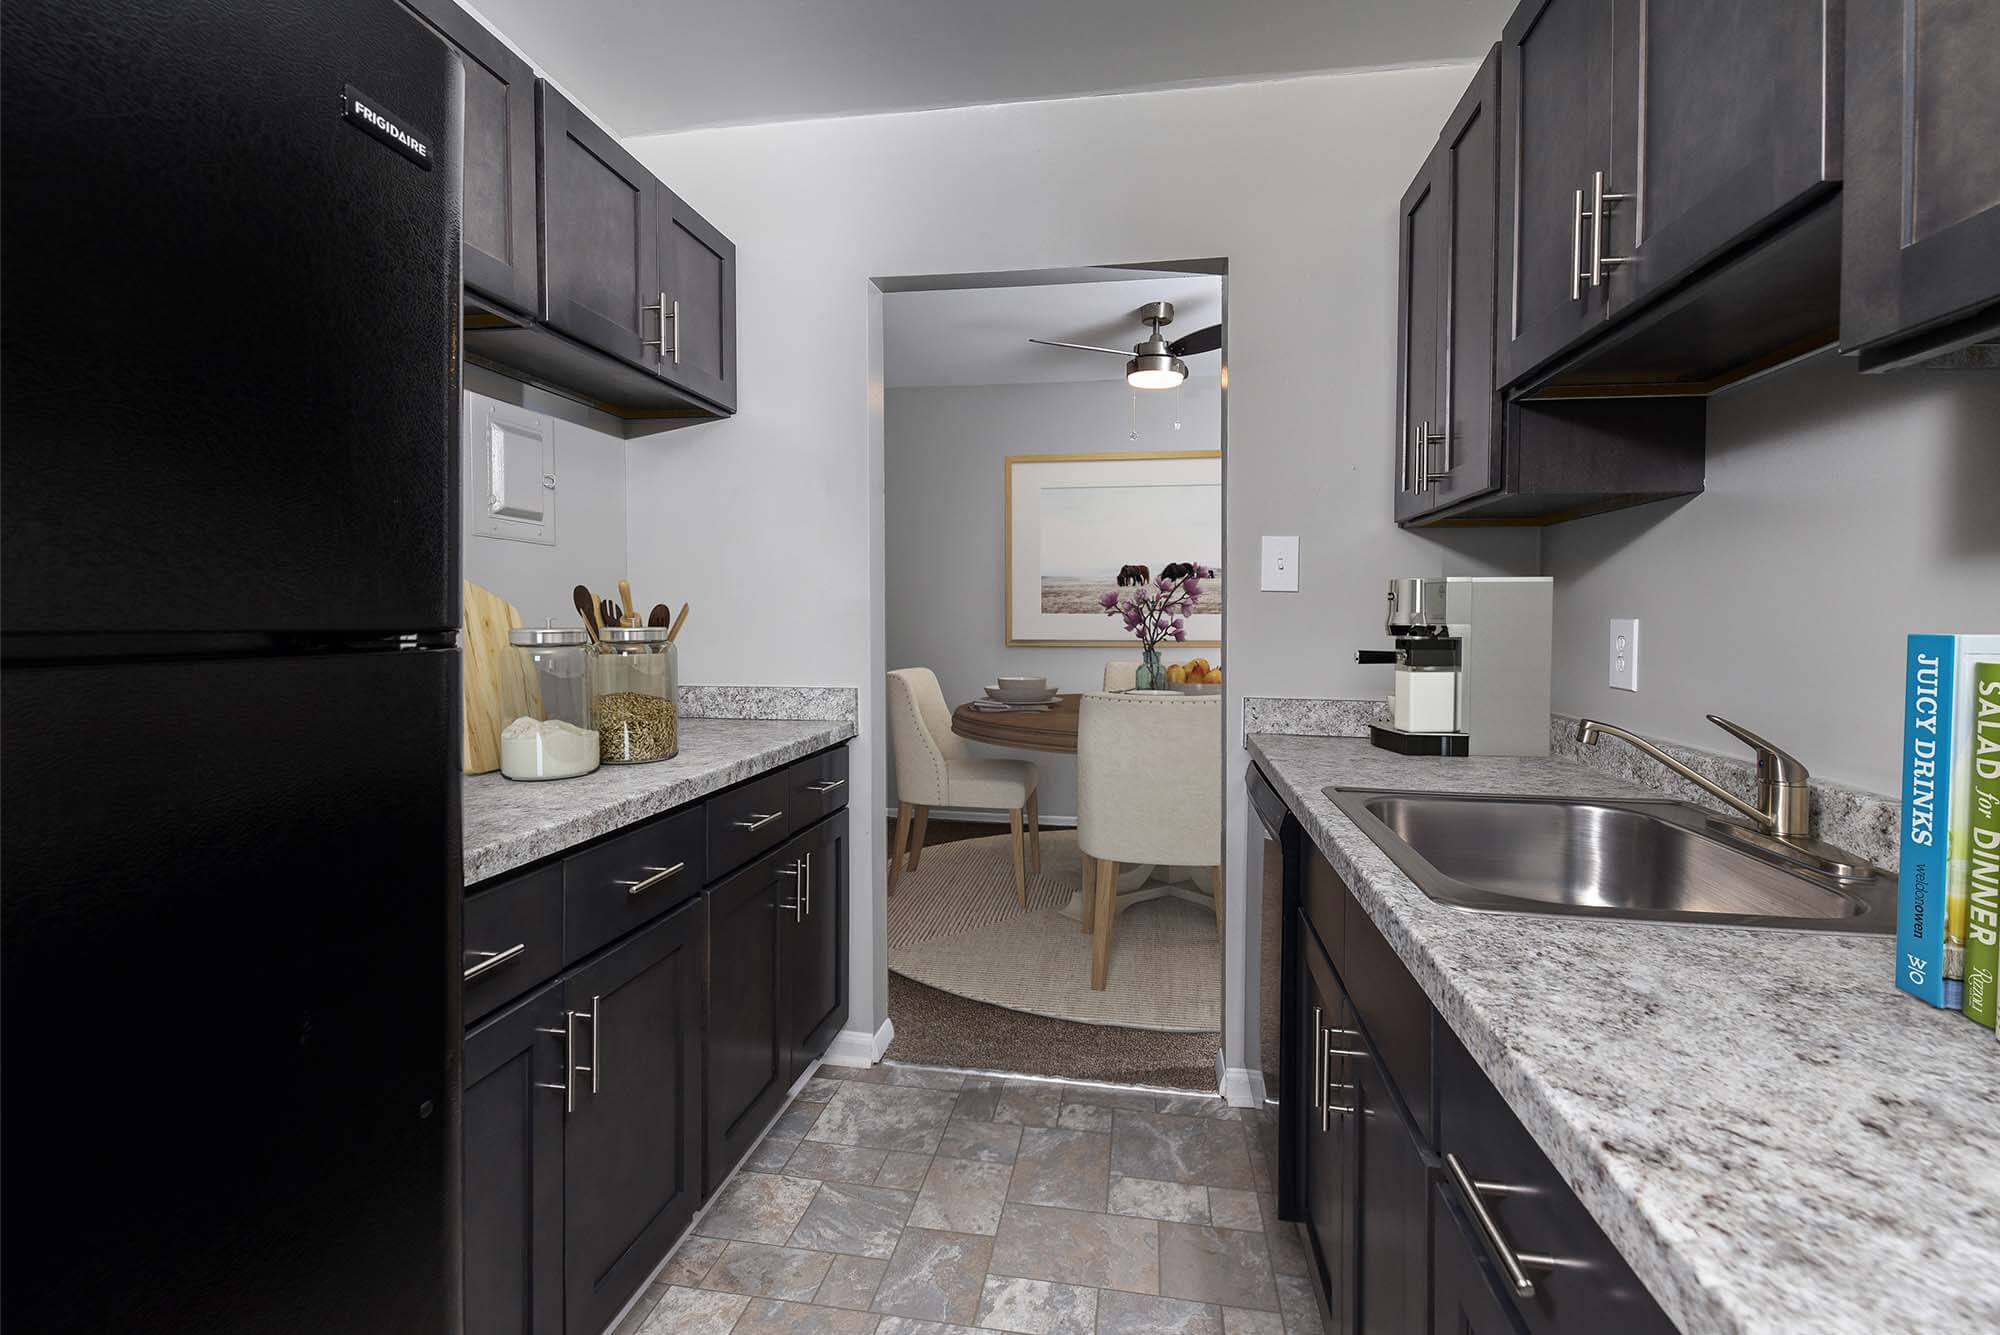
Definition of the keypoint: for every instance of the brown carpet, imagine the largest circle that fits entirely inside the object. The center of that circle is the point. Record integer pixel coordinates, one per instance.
(936, 1028)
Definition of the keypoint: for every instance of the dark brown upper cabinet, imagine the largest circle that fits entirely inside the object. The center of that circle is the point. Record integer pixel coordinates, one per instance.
(501, 259)
(1722, 123)
(600, 236)
(1448, 424)
(583, 273)
(636, 311)
(1555, 134)
(698, 278)
(1464, 454)
(1669, 177)
(1920, 270)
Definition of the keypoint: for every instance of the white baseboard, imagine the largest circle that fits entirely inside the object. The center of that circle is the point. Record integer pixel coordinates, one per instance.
(1242, 1088)
(858, 1047)
(987, 816)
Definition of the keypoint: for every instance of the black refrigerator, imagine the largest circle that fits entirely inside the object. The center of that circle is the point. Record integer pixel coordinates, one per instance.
(229, 573)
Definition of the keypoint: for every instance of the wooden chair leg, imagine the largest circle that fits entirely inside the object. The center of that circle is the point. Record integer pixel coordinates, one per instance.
(917, 836)
(1217, 871)
(896, 843)
(1035, 828)
(1104, 914)
(1089, 893)
(1020, 861)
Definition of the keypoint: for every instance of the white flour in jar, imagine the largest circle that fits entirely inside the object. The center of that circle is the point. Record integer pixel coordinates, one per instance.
(547, 749)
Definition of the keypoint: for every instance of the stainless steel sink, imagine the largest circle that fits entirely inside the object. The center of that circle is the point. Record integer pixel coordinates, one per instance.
(1654, 861)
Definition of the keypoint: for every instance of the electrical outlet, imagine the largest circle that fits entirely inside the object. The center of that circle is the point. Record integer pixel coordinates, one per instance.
(1624, 655)
(1281, 565)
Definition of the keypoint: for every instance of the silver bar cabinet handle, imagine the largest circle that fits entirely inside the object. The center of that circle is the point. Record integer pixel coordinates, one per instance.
(758, 820)
(1576, 248)
(826, 787)
(1425, 439)
(797, 871)
(806, 885)
(493, 959)
(1511, 1261)
(1319, 1069)
(1402, 464)
(596, 1028)
(659, 874)
(568, 1085)
(676, 318)
(661, 341)
(1600, 200)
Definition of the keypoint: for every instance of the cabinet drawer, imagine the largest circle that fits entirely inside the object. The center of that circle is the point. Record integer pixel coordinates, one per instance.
(817, 786)
(513, 939)
(1394, 1011)
(1534, 1210)
(746, 821)
(627, 881)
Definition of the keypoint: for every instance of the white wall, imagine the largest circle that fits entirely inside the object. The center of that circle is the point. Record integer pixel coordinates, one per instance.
(590, 507)
(771, 522)
(1842, 512)
(944, 455)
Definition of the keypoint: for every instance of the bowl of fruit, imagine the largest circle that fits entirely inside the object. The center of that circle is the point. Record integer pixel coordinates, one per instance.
(1195, 677)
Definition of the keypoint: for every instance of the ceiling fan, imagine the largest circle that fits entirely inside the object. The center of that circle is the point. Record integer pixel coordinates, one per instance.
(1155, 363)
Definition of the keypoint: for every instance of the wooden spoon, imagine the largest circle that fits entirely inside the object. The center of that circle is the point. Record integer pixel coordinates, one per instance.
(679, 621)
(631, 617)
(608, 610)
(586, 607)
(661, 616)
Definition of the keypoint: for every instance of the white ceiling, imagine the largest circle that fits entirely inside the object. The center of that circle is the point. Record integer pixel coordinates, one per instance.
(646, 66)
(980, 336)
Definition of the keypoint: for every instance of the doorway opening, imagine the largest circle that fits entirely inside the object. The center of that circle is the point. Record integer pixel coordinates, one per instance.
(1055, 617)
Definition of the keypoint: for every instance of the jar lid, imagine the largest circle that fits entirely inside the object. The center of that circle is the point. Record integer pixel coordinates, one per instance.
(547, 637)
(634, 634)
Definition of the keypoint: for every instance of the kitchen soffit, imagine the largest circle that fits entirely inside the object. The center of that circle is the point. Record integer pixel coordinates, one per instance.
(772, 60)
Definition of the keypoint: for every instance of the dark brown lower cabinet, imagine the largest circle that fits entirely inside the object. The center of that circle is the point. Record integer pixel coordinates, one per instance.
(1393, 1236)
(1466, 1296)
(748, 1064)
(1327, 1155)
(513, 1139)
(1395, 1246)
(815, 946)
(632, 1148)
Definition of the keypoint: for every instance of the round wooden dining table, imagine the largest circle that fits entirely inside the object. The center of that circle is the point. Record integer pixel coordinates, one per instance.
(1051, 729)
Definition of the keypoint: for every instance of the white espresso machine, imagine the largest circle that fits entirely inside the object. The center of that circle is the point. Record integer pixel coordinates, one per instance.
(1471, 663)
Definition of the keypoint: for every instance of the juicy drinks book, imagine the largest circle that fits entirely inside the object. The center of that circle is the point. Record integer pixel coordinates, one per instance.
(1933, 895)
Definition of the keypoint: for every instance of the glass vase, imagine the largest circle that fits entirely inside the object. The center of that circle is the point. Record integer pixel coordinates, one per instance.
(1152, 675)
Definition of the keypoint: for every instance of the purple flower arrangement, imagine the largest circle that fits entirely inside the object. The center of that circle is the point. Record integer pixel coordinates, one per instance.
(1156, 612)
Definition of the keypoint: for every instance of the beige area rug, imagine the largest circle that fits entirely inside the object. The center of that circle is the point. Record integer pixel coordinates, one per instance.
(955, 925)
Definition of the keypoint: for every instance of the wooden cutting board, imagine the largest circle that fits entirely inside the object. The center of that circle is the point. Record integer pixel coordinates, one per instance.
(499, 680)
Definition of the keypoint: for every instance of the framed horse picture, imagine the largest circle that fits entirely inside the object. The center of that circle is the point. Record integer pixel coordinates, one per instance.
(1079, 526)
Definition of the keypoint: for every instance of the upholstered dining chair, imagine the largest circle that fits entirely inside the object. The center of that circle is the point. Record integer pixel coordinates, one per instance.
(1148, 789)
(935, 768)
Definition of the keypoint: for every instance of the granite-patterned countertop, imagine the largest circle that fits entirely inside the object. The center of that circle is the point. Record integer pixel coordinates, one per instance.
(1775, 1138)
(510, 824)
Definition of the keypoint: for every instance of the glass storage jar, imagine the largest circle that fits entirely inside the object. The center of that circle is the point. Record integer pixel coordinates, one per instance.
(633, 673)
(558, 740)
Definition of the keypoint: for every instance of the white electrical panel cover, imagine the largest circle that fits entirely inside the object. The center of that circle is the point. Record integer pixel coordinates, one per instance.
(512, 458)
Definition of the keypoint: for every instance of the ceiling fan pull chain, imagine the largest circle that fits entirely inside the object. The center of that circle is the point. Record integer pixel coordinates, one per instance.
(1133, 434)
(1177, 403)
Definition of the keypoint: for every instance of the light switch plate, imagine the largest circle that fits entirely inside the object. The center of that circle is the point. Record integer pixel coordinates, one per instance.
(1281, 565)
(1624, 655)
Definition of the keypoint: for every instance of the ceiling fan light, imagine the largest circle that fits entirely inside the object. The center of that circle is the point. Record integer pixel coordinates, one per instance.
(1155, 372)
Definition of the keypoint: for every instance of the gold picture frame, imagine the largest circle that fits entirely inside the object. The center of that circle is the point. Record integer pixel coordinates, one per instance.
(1007, 541)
